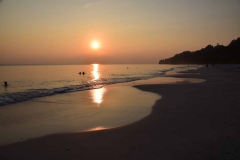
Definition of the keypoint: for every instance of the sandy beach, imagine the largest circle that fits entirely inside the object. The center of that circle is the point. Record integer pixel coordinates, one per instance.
(190, 121)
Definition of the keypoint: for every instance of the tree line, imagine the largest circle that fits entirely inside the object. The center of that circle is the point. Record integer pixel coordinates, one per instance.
(209, 55)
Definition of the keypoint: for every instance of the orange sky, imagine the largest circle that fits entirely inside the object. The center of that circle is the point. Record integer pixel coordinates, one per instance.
(129, 31)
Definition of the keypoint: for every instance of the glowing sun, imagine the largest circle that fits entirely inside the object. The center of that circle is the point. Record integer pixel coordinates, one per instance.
(95, 45)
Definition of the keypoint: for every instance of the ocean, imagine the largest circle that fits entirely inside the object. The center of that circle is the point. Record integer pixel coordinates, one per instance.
(49, 99)
(26, 82)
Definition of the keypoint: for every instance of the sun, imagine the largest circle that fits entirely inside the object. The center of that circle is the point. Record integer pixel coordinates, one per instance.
(95, 45)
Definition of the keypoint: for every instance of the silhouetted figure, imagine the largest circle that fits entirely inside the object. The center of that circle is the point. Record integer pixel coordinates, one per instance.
(80, 73)
(5, 84)
(83, 73)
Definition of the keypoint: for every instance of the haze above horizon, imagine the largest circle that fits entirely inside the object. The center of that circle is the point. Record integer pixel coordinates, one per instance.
(112, 31)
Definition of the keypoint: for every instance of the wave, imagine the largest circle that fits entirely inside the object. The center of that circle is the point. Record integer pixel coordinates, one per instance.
(16, 97)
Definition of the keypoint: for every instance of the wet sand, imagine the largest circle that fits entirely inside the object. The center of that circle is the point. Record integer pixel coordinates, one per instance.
(190, 121)
(106, 107)
(103, 108)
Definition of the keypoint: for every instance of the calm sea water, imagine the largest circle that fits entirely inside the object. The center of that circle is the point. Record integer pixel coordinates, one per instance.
(57, 99)
(26, 82)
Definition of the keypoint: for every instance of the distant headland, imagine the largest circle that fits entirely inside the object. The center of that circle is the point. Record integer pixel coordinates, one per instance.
(209, 55)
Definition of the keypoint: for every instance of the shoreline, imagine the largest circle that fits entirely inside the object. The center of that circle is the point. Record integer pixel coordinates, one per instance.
(191, 121)
(107, 107)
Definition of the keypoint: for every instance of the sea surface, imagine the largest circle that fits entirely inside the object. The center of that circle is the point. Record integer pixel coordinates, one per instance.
(26, 82)
(42, 100)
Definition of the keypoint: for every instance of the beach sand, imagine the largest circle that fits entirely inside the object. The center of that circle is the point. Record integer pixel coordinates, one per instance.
(190, 121)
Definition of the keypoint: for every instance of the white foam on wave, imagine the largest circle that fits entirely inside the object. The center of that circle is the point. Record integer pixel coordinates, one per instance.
(16, 97)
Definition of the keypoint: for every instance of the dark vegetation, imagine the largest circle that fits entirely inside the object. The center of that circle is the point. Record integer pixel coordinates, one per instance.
(209, 55)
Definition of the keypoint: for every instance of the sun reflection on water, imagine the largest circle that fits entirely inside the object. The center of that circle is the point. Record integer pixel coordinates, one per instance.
(97, 95)
(97, 128)
(95, 72)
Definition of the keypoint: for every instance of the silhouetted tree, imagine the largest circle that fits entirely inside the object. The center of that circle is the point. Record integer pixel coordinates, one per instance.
(208, 55)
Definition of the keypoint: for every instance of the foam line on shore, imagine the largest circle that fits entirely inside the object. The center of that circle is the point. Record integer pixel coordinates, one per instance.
(197, 120)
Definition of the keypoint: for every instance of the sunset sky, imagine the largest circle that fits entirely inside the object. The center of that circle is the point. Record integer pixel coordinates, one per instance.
(126, 31)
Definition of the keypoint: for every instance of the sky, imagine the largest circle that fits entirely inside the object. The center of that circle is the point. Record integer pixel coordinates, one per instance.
(128, 31)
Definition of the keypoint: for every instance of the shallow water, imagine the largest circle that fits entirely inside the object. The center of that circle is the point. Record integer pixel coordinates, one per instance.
(106, 107)
(97, 107)
(28, 82)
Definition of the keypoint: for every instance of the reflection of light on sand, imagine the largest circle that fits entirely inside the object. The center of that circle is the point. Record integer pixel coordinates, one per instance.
(97, 128)
(97, 95)
(95, 72)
